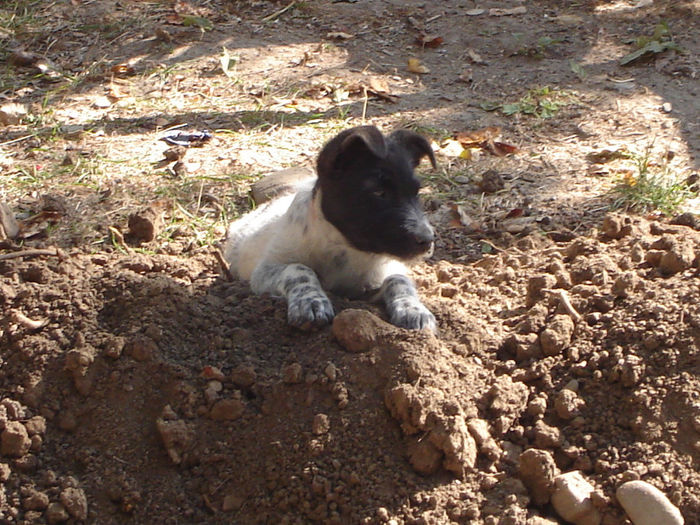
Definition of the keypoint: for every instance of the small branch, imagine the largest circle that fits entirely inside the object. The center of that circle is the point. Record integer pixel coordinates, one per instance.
(224, 266)
(19, 318)
(565, 301)
(29, 253)
(119, 238)
(278, 13)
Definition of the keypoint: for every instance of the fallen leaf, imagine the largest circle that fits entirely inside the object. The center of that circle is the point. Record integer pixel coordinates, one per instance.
(475, 138)
(515, 212)
(500, 149)
(520, 10)
(462, 219)
(475, 57)
(122, 70)
(606, 155)
(197, 21)
(647, 51)
(227, 61)
(451, 148)
(339, 35)
(415, 66)
(485, 139)
(8, 224)
(519, 224)
(431, 41)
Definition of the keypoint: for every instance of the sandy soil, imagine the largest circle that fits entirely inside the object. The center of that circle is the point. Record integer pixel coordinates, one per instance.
(139, 385)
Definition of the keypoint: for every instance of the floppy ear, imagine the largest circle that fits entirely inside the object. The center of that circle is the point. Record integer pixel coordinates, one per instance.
(414, 144)
(348, 145)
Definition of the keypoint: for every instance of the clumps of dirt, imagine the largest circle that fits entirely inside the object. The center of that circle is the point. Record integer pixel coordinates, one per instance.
(151, 387)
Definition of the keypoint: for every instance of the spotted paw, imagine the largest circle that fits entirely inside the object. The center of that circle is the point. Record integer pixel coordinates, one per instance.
(309, 309)
(410, 313)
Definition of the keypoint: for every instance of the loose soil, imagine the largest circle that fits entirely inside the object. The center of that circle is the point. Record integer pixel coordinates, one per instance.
(139, 385)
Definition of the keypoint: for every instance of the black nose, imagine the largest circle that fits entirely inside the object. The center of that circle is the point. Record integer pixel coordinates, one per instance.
(424, 235)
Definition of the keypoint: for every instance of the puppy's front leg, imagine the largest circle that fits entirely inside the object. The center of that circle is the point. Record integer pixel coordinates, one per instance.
(307, 304)
(404, 306)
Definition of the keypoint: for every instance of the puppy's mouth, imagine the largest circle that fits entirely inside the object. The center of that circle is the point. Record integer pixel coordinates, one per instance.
(419, 254)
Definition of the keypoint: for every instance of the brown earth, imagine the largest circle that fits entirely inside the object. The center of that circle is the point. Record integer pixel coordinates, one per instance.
(138, 385)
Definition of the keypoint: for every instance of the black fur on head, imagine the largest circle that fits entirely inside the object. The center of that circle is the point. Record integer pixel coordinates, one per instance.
(370, 193)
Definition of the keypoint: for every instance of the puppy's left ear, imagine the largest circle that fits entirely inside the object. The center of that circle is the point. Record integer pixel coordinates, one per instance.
(414, 144)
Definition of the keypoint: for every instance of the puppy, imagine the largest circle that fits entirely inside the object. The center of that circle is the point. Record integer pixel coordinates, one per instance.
(348, 231)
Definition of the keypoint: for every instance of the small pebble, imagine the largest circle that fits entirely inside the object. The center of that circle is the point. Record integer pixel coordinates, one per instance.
(647, 505)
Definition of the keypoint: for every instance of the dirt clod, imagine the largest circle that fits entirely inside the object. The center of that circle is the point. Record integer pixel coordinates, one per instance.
(537, 470)
(75, 502)
(14, 440)
(359, 330)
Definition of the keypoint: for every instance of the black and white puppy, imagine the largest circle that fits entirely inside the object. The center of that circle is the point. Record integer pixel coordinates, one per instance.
(349, 230)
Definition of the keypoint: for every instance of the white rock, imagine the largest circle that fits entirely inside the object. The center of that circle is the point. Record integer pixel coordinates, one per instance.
(572, 499)
(647, 505)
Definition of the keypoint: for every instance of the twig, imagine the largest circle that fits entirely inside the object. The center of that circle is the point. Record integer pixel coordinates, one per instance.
(565, 302)
(364, 104)
(120, 239)
(20, 318)
(274, 15)
(16, 140)
(28, 253)
(224, 265)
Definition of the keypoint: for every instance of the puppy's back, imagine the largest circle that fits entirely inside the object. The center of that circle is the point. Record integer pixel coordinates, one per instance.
(248, 237)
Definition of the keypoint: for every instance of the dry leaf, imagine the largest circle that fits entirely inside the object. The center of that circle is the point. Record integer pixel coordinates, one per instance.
(431, 41)
(339, 35)
(475, 138)
(8, 223)
(123, 70)
(475, 57)
(485, 139)
(520, 10)
(415, 66)
(462, 218)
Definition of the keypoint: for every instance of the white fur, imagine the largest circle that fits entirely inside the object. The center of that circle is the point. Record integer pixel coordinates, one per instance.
(270, 233)
(287, 248)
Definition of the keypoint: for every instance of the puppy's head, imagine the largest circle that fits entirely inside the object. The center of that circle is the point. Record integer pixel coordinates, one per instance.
(370, 193)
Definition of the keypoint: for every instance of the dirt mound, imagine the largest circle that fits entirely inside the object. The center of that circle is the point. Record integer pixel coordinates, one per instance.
(147, 389)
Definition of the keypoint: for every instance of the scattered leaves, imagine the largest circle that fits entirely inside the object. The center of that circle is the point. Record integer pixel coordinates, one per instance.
(485, 139)
(542, 102)
(648, 47)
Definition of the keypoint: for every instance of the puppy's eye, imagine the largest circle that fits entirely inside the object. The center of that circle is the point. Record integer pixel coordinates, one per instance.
(380, 193)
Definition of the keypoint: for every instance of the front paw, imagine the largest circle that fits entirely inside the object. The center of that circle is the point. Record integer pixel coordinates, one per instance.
(412, 314)
(311, 310)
